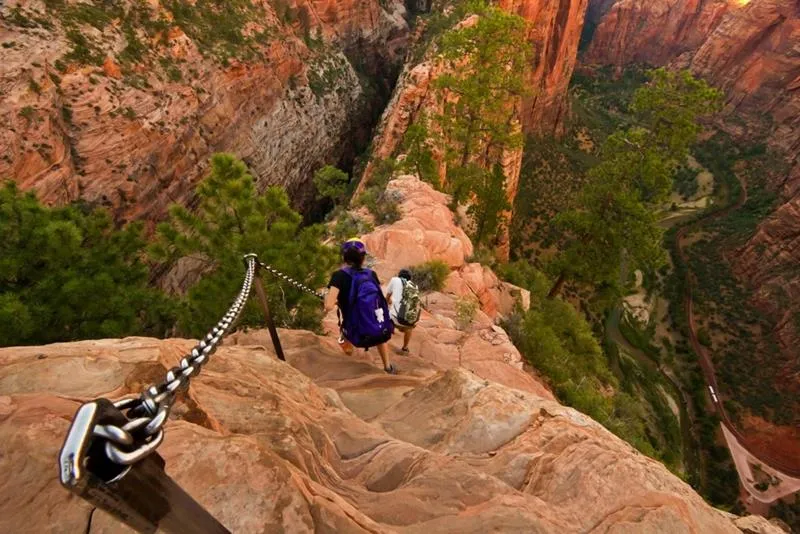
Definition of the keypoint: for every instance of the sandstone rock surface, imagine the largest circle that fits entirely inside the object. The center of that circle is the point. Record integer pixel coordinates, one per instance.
(652, 31)
(349, 449)
(428, 231)
(138, 138)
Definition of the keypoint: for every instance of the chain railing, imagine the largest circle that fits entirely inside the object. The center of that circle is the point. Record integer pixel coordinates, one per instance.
(109, 456)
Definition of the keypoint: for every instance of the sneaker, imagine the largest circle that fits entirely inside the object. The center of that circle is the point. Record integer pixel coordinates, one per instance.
(391, 369)
(403, 351)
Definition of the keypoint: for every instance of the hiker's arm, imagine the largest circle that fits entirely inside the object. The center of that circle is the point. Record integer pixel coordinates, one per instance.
(330, 298)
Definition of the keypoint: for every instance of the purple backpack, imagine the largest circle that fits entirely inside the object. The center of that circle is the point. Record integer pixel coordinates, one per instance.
(367, 323)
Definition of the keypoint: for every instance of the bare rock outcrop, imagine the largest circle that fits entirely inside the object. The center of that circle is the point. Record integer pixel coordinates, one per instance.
(137, 137)
(554, 31)
(652, 31)
(428, 231)
(346, 449)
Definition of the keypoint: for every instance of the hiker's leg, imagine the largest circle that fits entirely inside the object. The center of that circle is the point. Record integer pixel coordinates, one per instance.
(384, 357)
(407, 337)
(345, 345)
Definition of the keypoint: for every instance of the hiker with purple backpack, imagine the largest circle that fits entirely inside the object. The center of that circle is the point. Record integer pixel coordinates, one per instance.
(364, 318)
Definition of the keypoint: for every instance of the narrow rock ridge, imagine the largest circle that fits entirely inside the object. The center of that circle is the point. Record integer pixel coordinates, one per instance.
(461, 441)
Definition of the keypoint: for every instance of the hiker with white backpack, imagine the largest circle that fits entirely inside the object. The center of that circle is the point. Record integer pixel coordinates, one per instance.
(364, 320)
(404, 305)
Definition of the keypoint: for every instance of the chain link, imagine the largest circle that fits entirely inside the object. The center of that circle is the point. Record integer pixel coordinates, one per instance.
(291, 281)
(144, 432)
(146, 414)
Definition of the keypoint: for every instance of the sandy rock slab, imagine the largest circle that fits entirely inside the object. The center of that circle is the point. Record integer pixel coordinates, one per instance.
(266, 449)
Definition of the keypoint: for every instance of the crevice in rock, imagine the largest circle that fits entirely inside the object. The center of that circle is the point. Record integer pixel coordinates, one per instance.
(89, 520)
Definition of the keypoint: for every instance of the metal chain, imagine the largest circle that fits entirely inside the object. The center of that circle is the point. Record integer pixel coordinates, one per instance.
(144, 432)
(291, 281)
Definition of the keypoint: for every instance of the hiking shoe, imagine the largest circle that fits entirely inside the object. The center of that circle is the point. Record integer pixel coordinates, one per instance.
(403, 351)
(392, 370)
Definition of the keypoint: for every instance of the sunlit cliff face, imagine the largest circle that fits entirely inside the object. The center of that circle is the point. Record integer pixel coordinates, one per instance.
(740, 3)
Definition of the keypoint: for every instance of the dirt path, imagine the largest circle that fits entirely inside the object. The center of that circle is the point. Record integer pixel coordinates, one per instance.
(785, 467)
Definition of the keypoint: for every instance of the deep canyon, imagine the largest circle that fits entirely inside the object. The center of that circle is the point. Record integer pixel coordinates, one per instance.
(121, 104)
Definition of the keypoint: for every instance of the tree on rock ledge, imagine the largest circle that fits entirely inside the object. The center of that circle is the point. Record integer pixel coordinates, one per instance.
(480, 93)
(233, 219)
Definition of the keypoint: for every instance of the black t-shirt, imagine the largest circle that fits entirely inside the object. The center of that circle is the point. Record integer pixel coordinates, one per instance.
(341, 280)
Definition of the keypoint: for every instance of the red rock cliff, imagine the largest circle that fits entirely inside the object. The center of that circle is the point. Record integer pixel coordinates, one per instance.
(137, 138)
(653, 31)
(753, 55)
(555, 31)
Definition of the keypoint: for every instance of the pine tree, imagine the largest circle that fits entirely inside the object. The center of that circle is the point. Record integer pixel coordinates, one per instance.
(233, 219)
(419, 156)
(486, 64)
(489, 204)
(331, 183)
(480, 93)
(67, 274)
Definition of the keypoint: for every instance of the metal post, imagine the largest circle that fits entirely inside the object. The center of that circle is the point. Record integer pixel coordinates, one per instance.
(273, 332)
(142, 495)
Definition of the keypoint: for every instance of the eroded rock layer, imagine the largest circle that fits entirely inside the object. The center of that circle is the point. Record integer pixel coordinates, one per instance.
(125, 114)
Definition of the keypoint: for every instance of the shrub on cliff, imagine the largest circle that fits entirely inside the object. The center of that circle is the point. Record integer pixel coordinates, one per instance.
(431, 275)
(67, 274)
(232, 219)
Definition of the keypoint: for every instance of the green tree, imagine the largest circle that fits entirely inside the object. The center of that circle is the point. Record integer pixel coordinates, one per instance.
(67, 274)
(490, 204)
(233, 219)
(612, 226)
(419, 156)
(485, 76)
(480, 93)
(331, 183)
(614, 220)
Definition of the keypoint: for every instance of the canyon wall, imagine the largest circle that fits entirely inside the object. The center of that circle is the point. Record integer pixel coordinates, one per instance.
(554, 31)
(125, 114)
(651, 31)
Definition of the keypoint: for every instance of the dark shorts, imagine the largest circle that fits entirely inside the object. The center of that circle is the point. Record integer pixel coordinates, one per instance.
(402, 327)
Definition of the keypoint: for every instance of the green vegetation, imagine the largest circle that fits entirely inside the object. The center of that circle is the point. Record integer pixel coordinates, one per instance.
(67, 274)
(326, 74)
(561, 345)
(348, 225)
(382, 204)
(466, 309)
(331, 183)
(28, 113)
(486, 65)
(430, 276)
(233, 219)
(789, 513)
(748, 363)
(419, 156)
